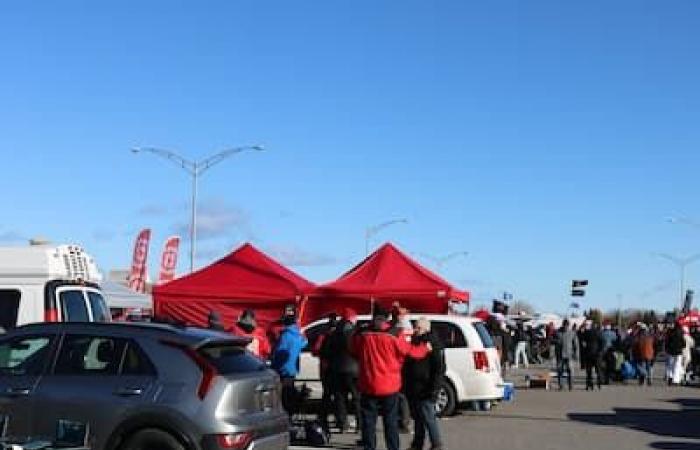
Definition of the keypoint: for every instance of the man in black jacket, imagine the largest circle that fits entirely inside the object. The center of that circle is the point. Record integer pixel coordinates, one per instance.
(423, 379)
(591, 346)
(344, 369)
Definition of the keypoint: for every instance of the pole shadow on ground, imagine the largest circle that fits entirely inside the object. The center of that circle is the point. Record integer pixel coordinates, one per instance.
(670, 423)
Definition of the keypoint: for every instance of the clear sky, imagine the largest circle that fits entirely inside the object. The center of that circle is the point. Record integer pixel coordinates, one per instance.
(549, 139)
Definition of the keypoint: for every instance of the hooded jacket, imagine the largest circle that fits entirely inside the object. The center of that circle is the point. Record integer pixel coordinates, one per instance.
(285, 356)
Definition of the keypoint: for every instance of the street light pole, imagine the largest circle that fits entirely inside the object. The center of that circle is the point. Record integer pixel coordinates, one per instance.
(371, 231)
(682, 264)
(195, 169)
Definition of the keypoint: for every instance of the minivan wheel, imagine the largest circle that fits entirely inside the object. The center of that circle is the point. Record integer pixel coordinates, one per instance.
(446, 401)
(152, 439)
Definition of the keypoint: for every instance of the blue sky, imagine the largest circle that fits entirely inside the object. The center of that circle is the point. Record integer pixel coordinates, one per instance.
(549, 139)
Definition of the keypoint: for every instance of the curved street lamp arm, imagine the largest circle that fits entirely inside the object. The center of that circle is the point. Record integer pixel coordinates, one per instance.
(371, 231)
(178, 160)
(453, 255)
(222, 155)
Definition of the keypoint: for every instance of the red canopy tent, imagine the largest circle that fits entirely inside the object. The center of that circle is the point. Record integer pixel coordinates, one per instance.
(246, 278)
(386, 276)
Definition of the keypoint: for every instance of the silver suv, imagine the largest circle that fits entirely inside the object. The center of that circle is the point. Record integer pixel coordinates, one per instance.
(140, 387)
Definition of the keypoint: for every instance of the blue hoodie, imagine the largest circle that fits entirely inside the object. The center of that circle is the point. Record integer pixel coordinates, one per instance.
(285, 357)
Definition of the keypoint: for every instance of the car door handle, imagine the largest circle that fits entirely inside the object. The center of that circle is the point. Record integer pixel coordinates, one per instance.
(128, 392)
(17, 392)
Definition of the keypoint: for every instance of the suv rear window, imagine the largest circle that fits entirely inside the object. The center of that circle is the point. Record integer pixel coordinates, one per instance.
(9, 306)
(484, 334)
(24, 356)
(230, 359)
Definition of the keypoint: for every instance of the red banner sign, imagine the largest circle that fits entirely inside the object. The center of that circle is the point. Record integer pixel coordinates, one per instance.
(137, 277)
(168, 261)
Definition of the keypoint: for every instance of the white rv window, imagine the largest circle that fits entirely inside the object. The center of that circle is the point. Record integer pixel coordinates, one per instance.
(9, 307)
(73, 307)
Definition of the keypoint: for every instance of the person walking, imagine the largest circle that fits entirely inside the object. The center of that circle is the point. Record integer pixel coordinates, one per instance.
(644, 354)
(566, 349)
(675, 344)
(521, 346)
(380, 357)
(591, 344)
(285, 359)
(423, 379)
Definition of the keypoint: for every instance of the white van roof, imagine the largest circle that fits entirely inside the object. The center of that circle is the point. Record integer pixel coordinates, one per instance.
(47, 262)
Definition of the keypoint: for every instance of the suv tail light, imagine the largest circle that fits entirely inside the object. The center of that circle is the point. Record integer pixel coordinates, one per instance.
(481, 361)
(208, 370)
(236, 441)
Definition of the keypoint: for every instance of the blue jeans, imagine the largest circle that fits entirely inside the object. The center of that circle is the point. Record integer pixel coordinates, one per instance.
(423, 412)
(372, 407)
(564, 366)
(644, 369)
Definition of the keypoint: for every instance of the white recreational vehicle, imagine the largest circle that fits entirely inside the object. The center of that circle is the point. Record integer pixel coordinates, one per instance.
(49, 283)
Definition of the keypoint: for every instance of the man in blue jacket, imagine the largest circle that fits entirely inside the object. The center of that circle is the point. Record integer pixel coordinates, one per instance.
(285, 358)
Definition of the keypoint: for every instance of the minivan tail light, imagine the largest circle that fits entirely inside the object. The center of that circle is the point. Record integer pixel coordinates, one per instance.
(208, 370)
(236, 441)
(481, 361)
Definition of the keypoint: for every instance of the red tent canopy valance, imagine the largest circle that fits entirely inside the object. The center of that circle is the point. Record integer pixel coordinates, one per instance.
(246, 278)
(385, 276)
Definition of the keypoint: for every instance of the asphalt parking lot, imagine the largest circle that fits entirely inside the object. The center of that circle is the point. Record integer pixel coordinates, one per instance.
(618, 417)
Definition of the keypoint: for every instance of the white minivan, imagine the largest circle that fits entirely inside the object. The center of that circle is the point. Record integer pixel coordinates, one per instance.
(473, 366)
(49, 283)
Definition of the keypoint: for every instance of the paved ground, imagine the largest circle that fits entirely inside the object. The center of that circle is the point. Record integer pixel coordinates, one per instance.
(618, 417)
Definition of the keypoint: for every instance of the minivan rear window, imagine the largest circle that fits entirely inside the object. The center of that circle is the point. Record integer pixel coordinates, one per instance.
(484, 334)
(230, 359)
(9, 307)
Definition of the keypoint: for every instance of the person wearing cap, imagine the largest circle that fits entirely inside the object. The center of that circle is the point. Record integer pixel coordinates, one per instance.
(380, 357)
(285, 358)
(423, 380)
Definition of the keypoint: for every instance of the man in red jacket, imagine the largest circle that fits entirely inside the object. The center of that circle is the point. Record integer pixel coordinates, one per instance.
(380, 357)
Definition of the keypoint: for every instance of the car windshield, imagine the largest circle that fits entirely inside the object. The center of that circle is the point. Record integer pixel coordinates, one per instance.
(484, 334)
(231, 359)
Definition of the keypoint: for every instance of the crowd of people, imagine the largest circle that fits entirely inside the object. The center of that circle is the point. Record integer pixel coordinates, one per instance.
(389, 368)
(606, 353)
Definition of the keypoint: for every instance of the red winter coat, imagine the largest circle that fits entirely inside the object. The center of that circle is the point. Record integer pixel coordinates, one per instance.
(380, 357)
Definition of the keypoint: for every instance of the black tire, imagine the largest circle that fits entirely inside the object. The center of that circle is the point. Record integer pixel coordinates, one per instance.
(152, 439)
(446, 403)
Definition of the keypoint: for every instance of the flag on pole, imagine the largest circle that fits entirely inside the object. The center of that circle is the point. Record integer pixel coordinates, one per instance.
(168, 260)
(137, 277)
